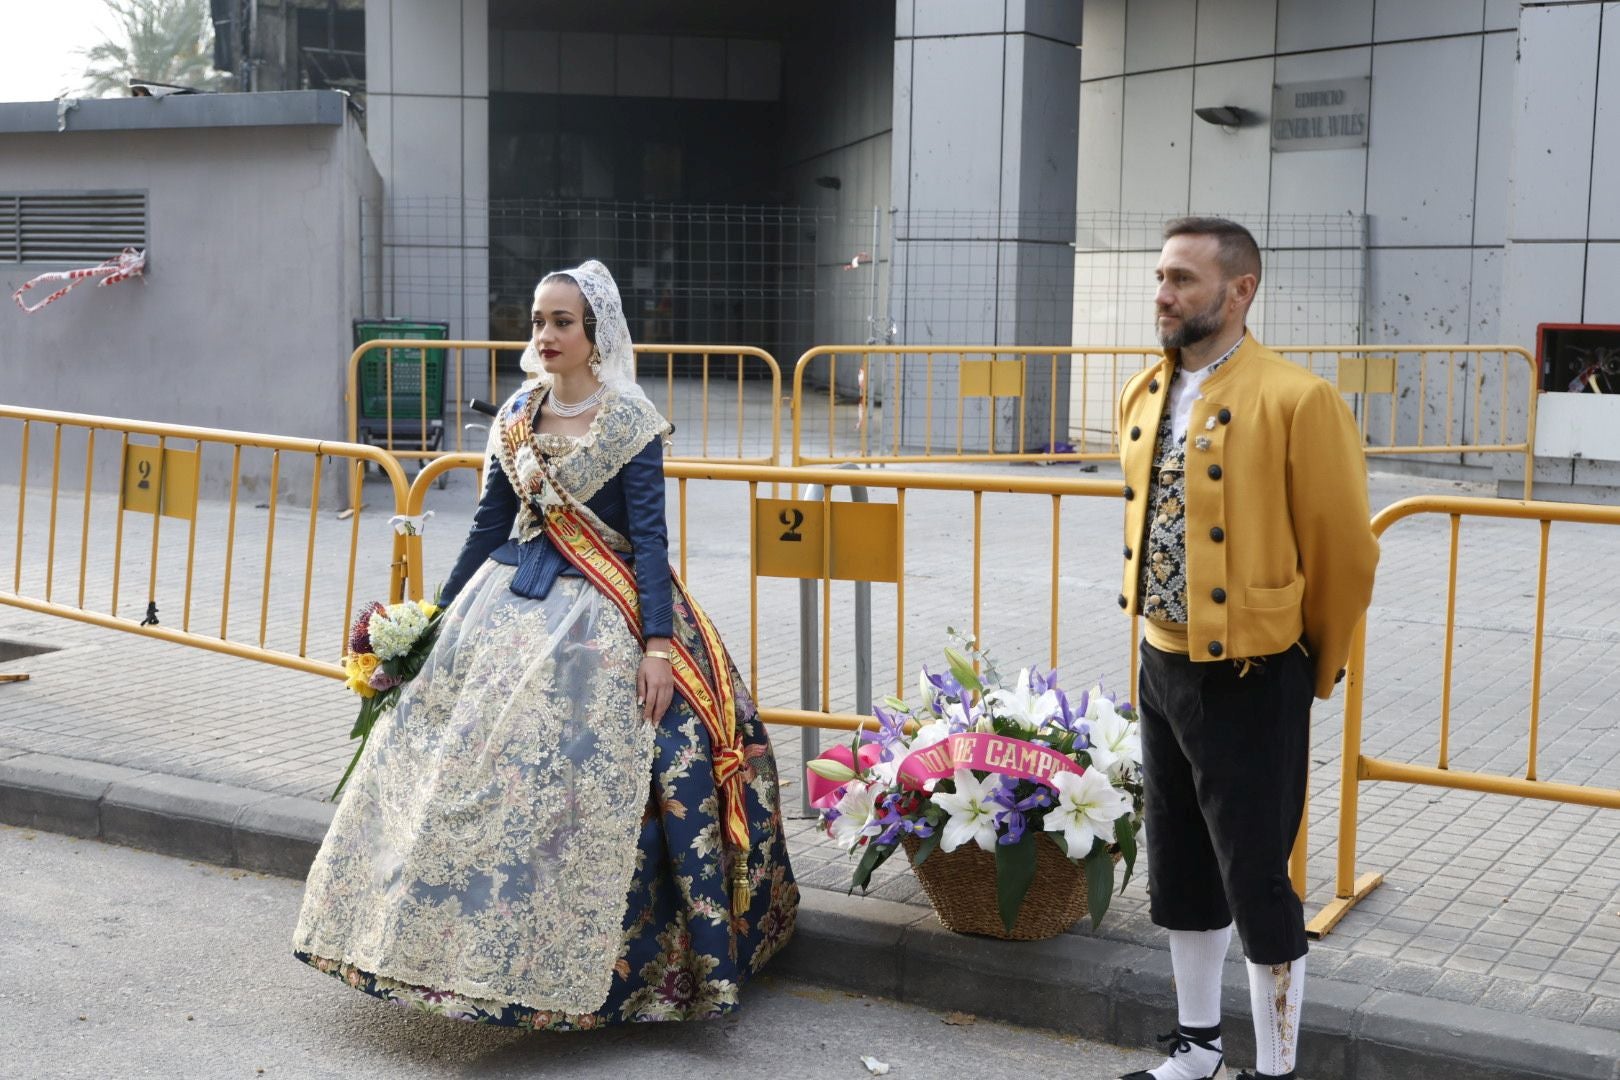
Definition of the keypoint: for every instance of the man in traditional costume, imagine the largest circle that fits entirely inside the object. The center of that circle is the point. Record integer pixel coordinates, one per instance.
(1249, 550)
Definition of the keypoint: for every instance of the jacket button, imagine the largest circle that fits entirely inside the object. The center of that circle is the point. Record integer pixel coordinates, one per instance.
(1136, 433)
(1224, 416)
(1129, 493)
(1217, 534)
(1214, 472)
(1218, 595)
(1215, 648)
(1123, 602)
(1127, 551)
(1153, 386)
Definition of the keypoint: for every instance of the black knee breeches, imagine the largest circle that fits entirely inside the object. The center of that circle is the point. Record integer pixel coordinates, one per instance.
(1224, 767)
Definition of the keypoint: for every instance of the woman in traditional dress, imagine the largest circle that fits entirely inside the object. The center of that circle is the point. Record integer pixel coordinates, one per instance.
(571, 818)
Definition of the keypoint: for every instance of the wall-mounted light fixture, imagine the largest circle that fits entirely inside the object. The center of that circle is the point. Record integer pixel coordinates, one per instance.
(1224, 115)
(829, 182)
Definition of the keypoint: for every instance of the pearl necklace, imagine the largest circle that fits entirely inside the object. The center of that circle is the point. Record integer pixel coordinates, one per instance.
(566, 409)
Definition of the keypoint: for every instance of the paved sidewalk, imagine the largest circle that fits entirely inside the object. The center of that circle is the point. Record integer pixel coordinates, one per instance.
(1495, 937)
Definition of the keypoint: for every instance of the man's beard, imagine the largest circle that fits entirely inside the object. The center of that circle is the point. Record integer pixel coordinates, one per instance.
(1194, 328)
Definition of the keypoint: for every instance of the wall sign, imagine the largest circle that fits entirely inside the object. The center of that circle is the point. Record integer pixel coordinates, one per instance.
(1329, 115)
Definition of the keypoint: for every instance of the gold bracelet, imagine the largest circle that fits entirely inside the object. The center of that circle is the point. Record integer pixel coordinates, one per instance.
(659, 654)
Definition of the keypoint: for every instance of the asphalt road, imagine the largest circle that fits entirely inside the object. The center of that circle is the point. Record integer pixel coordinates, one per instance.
(117, 963)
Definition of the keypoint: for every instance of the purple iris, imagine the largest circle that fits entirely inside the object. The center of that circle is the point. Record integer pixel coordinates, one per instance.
(1071, 720)
(1039, 683)
(891, 730)
(1013, 817)
(946, 684)
(894, 823)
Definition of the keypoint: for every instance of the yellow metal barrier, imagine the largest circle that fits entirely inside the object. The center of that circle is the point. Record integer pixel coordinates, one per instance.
(158, 476)
(1376, 379)
(429, 430)
(874, 548)
(979, 373)
(1359, 768)
(877, 552)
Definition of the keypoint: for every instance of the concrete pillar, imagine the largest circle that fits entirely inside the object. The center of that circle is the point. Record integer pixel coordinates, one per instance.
(986, 118)
(427, 124)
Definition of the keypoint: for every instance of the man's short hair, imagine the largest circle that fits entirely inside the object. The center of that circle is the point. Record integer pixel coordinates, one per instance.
(1239, 254)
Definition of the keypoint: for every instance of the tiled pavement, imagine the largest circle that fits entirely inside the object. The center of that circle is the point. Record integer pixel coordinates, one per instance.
(1488, 901)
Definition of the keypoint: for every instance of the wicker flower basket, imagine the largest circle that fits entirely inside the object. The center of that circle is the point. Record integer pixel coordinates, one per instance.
(962, 888)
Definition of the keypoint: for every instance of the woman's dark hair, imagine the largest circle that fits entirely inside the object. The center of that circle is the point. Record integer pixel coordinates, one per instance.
(589, 317)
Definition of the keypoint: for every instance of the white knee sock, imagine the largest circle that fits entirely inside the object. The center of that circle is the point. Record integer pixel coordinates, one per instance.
(1196, 957)
(1276, 994)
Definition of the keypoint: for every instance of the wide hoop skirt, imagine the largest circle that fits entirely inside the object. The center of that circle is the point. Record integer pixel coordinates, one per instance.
(517, 847)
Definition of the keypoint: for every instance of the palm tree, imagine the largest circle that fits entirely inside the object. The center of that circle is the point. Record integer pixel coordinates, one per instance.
(163, 41)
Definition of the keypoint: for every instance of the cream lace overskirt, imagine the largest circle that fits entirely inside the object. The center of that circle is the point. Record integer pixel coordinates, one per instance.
(487, 841)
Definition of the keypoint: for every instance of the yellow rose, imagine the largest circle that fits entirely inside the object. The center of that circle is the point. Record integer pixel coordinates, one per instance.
(358, 669)
(430, 610)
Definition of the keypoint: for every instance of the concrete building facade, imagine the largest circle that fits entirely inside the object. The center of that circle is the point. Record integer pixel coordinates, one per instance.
(992, 171)
(252, 233)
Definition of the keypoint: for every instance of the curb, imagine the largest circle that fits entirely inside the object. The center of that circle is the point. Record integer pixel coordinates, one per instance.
(1111, 991)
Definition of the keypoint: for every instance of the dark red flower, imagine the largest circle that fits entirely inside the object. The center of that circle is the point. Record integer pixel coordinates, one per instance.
(678, 987)
(360, 635)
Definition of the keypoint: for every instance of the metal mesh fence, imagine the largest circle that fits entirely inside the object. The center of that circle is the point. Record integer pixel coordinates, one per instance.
(1312, 288)
(787, 279)
(777, 278)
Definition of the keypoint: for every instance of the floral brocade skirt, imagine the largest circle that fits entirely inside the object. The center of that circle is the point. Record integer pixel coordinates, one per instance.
(517, 847)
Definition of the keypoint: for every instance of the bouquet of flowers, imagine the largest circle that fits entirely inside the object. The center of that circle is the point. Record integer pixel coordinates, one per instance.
(980, 761)
(387, 647)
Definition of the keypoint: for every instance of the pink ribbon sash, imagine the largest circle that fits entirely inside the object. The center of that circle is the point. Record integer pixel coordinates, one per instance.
(984, 752)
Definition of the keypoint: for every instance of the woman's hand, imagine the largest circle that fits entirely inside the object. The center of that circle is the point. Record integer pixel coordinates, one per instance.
(655, 682)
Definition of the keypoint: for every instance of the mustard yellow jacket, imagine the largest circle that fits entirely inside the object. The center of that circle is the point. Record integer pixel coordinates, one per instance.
(1279, 542)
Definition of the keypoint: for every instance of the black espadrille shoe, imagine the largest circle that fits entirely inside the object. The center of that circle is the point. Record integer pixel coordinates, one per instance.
(1182, 1041)
(1247, 1075)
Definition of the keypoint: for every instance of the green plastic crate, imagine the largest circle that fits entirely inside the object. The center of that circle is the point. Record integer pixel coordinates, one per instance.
(408, 369)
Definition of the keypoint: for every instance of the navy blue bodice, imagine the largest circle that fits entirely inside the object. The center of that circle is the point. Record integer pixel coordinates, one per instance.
(632, 503)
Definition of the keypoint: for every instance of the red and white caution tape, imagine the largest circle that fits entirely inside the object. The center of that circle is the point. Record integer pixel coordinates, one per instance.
(127, 264)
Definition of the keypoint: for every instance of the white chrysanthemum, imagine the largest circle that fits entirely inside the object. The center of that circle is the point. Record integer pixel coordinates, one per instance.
(395, 631)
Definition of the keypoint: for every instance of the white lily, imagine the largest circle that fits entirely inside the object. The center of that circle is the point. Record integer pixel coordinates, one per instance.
(929, 734)
(857, 815)
(926, 689)
(1116, 744)
(972, 813)
(1022, 705)
(1087, 807)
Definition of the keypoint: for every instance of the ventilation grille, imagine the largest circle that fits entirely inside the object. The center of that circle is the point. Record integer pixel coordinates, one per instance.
(70, 228)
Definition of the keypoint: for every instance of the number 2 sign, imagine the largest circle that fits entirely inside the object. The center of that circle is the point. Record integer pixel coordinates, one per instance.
(160, 481)
(792, 539)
